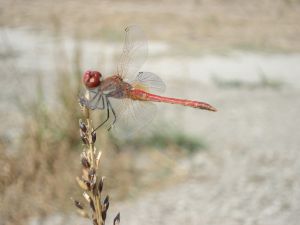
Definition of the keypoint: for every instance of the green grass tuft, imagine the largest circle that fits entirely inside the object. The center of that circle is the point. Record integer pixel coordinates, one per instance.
(163, 140)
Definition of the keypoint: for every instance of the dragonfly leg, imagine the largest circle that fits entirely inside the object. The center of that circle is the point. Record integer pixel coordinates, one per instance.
(107, 113)
(114, 114)
(92, 106)
(102, 106)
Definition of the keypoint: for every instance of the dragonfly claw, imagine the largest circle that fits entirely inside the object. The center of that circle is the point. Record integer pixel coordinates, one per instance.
(82, 101)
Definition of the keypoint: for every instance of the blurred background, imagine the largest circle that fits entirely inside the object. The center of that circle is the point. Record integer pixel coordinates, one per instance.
(237, 166)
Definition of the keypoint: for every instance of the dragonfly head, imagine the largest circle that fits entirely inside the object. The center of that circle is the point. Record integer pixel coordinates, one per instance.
(91, 79)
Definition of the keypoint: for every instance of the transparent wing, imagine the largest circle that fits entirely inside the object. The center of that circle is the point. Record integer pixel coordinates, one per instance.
(135, 51)
(149, 82)
(132, 117)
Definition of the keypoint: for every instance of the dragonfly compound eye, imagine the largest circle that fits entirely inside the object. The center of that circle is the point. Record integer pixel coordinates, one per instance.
(91, 79)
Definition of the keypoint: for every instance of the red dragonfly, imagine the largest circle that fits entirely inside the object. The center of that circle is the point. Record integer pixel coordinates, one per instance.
(132, 91)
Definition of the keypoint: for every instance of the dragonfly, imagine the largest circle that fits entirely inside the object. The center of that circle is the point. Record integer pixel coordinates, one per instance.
(128, 95)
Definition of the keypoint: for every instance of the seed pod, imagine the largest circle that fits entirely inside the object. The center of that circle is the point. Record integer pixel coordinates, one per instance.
(106, 200)
(100, 185)
(95, 222)
(82, 126)
(85, 174)
(85, 163)
(87, 197)
(88, 184)
(93, 136)
(103, 214)
(98, 159)
(83, 184)
(93, 181)
(78, 204)
(105, 204)
(83, 154)
(92, 173)
(117, 219)
(92, 178)
(84, 138)
(92, 205)
(95, 190)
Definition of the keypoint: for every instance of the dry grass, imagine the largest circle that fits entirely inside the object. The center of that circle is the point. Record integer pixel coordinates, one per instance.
(35, 180)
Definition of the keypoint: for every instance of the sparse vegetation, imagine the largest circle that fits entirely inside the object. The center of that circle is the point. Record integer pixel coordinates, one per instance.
(163, 140)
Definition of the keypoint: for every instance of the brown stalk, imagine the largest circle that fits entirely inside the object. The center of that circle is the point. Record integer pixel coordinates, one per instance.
(89, 182)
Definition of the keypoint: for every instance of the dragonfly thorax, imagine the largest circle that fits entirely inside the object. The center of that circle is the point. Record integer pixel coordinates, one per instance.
(115, 87)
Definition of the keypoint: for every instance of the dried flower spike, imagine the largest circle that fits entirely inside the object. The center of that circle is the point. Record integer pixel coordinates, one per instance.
(90, 159)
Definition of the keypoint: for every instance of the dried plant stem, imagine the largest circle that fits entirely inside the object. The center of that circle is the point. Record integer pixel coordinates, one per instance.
(88, 182)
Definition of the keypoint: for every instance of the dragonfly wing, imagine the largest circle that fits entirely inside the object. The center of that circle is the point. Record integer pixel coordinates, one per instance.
(134, 53)
(132, 117)
(149, 82)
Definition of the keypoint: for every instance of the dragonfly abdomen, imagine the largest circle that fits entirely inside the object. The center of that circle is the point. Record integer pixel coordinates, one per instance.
(137, 94)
